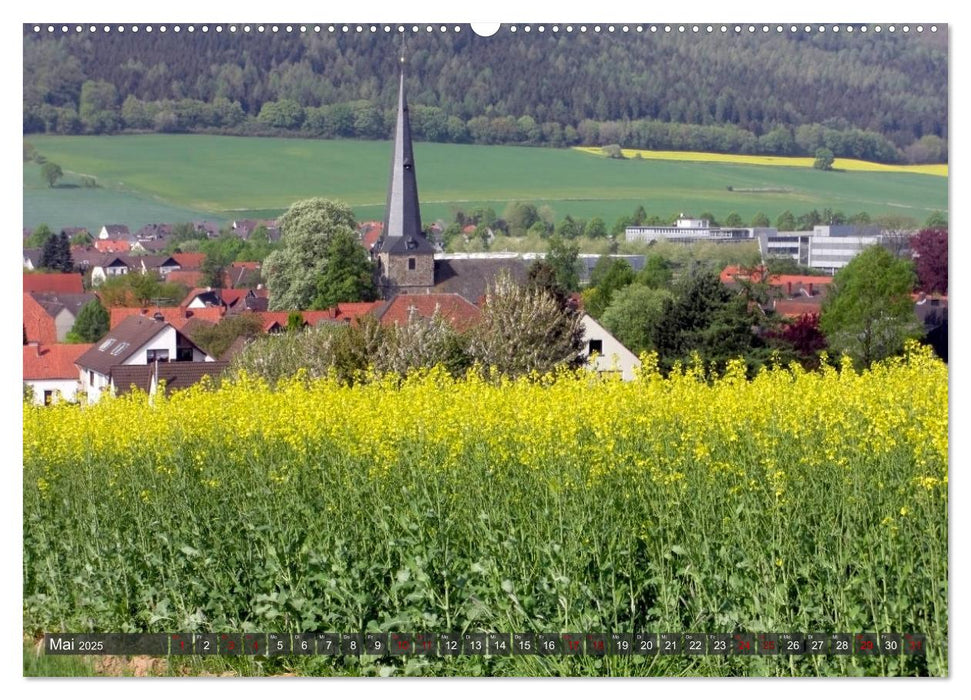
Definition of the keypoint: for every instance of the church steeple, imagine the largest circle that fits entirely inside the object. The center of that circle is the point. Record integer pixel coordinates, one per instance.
(402, 219)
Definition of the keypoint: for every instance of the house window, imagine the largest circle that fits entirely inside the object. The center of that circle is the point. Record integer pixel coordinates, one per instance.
(48, 398)
(183, 354)
(596, 346)
(90, 378)
(411, 263)
(161, 355)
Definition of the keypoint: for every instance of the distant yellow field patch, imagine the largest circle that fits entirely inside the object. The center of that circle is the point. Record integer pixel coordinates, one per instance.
(839, 163)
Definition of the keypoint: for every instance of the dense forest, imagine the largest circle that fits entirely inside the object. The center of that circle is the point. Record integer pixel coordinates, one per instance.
(874, 96)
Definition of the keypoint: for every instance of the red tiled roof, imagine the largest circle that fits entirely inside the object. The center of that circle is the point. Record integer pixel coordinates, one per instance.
(801, 280)
(53, 361)
(190, 261)
(794, 308)
(248, 265)
(456, 309)
(109, 245)
(191, 278)
(348, 311)
(38, 324)
(279, 318)
(177, 316)
(372, 232)
(733, 273)
(67, 282)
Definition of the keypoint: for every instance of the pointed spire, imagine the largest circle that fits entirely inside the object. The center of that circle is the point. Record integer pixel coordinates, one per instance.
(402, 219)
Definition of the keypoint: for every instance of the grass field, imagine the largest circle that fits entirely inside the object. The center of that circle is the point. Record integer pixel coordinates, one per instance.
(794, 502)
(224, 177)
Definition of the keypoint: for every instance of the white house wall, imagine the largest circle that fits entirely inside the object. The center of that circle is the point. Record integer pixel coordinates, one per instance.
(67, 388)
(615, 356)
(165, 340)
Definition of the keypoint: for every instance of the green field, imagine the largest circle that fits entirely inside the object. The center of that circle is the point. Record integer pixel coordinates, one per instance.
(158, 177)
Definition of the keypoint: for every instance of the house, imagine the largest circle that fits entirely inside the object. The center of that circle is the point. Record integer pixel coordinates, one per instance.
(113, 231)
(208, 228)
(189, 278)
(50, 371)
(61, 282)
(276, 321)
(471, 277)
(32, 258)
(231, 300)
(242, 274)
(150, 232)
(244, 228)
(112, 245)
(606, 354)
(369, 233)
(137, 340)
(39, 327)
(189, 261)
(109, 265)
(454, 308)
(175, 375)
(72, 231)
(52, 310)
(177, 316)
(781, 286)
(931, 311)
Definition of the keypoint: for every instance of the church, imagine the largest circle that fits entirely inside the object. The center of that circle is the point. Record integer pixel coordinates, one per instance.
(406, 260)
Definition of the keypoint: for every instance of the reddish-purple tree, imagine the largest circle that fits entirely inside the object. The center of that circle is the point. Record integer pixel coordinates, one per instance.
(930, 256)
(803, 337)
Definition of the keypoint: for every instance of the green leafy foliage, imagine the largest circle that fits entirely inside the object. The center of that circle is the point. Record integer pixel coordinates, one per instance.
(294, 269)
(56, 254)
(51, 172)
(868, 312)
(348, 273)
(92, 322)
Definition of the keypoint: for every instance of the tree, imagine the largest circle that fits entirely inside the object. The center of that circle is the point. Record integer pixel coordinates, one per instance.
(98, 107)
(348, 273)
(525, 329)
(656, 273)
(38, 237)
(930, 252)
(520, 216)
(56, 254)
(293, 270)
(82, 238)
(734, 220)
(608, 276)
(803, 337)
(92, 322)
(786, 221)
(760, 220)
(707, 318)
(633, 315)
(596, 228)
(937, 220)
(824, 159)
(51, 172)
(868, 312)
(217, 338)
(564, 258)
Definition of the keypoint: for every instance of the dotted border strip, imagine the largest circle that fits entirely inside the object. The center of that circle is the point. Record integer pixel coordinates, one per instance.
(512, 28)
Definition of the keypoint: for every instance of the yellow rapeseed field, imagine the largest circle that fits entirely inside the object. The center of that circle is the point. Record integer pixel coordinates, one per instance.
(794, 501)
(939, 169)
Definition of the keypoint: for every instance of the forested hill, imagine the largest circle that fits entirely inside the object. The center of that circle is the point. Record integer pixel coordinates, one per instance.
(872, 95)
